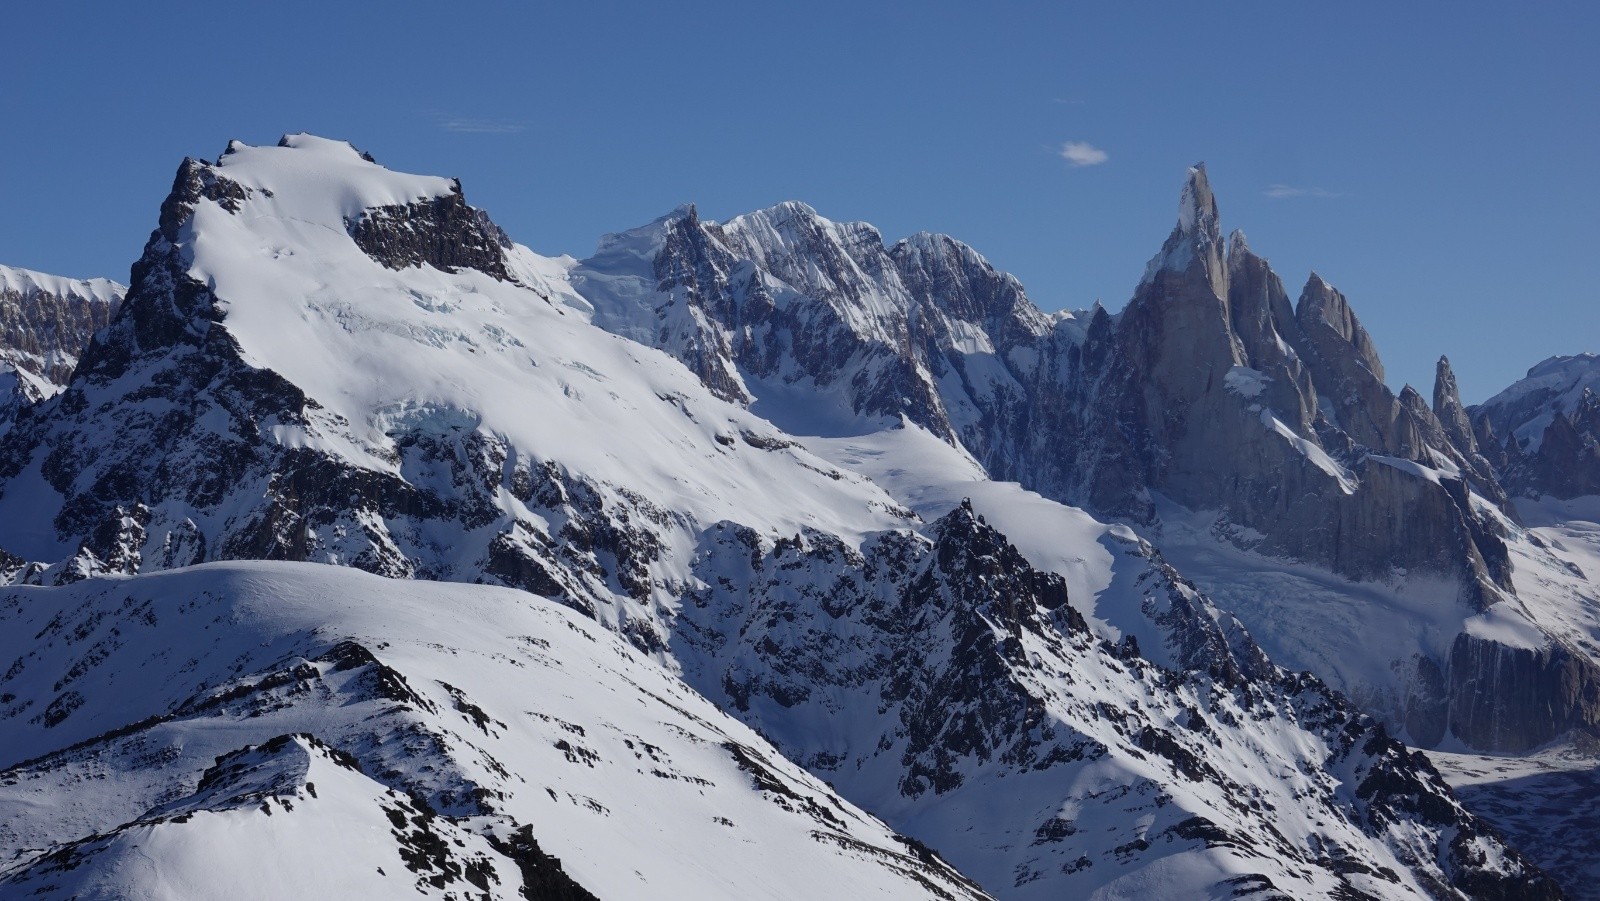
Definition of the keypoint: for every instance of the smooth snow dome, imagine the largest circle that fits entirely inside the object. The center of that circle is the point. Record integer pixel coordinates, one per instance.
(423, 348)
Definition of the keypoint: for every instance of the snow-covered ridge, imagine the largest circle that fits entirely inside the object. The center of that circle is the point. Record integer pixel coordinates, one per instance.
(301, 729)
(45, 323)
(26, 281)
(331, 182)
(1526, 408)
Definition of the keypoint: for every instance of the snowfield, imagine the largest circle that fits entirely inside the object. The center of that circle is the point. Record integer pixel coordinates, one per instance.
(194, 755)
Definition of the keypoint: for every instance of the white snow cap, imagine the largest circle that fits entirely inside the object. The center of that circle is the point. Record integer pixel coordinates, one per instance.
(323, 182)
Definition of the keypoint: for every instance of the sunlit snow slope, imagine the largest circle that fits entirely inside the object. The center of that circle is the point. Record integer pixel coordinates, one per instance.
(272, 730)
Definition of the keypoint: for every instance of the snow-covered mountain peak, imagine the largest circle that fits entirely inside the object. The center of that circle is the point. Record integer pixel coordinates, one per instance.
(1546, 427)
(1559, 376)
(317, 181)
(844, 264)
(790, 219)
(923, 245)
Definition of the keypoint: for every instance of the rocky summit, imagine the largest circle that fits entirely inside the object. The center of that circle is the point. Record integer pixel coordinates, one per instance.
(1210, 413)
(355, 548)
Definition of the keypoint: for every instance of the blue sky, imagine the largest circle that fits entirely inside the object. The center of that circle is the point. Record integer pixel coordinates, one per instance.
(1439, 163)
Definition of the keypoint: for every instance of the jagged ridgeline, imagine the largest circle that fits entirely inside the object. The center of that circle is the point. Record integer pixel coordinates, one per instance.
(766, 454)
(45, 322)
(1209, 393)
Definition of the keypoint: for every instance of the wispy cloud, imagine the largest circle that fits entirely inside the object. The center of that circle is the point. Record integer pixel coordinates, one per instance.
(1284, 192)
(1082, 153)
(481, 126)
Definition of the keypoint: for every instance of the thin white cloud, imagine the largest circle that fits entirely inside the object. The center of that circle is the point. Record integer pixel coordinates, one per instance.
(1083, 153)
(481, 126)
(1283, 192)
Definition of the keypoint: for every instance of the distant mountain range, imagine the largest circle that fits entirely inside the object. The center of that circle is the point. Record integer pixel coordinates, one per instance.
(839, 569)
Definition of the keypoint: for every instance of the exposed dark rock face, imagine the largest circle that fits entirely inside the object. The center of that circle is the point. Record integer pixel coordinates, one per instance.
(1447, 406)
(45, 324)
(442, 232)
(1243, 409)
(1516, 699)
(981, 670)
(543, 879)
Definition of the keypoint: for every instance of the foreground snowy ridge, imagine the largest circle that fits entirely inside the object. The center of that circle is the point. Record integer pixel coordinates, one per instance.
(299, 729)
(322, 360)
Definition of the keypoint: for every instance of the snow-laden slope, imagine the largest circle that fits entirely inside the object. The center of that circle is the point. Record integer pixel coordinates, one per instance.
(26, 281)
(323, 360)
(287, 730)
(291, 382)
(1117, 777)
(1558, 562)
